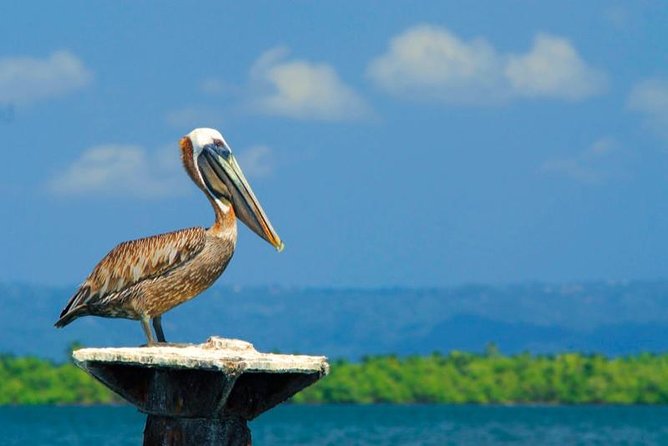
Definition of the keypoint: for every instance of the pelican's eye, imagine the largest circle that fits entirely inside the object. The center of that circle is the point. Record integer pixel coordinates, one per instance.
(221, 148)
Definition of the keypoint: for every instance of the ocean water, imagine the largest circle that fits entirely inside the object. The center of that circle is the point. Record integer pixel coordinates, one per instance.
(363, 425)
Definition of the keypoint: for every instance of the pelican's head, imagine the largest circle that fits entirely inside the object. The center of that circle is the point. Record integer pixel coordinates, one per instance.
(209, 161)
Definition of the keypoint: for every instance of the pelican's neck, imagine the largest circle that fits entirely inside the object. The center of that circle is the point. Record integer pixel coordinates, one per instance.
(225, 225)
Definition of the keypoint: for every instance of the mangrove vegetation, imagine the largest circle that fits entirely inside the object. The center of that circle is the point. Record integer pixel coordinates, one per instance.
(454, 378)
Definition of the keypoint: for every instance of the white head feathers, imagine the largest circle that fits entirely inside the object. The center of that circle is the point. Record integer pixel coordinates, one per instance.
(202, 137)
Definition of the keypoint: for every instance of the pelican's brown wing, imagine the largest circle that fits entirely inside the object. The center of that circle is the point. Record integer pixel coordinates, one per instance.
(132, 262)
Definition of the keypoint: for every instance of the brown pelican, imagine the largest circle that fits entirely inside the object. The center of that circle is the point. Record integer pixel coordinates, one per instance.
(142, 279)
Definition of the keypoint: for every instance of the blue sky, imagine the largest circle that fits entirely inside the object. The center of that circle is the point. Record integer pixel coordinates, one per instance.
(391, 143)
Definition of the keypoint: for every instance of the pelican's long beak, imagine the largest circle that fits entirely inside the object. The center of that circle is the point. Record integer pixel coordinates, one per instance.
(224, 178)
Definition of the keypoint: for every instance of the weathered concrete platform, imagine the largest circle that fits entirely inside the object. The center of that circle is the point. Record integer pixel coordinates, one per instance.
(201, 394)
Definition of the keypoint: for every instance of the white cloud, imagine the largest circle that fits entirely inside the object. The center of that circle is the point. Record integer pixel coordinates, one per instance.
(553, 68)
(650, 98)
(257, 161)
(431, 63)
(121, 170)
(592, 165)
(301, 89)
(27, 79)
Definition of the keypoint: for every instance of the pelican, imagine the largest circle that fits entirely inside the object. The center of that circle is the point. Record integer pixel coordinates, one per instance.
(142, 279)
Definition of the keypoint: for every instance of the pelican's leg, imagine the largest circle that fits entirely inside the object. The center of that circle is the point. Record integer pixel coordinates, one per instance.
(147, 331)
(157, 325)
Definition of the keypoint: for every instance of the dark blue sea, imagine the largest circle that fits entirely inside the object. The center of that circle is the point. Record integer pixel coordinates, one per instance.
(363, 425)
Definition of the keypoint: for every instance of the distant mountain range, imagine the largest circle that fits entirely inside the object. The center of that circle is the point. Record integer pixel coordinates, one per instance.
(611, 318)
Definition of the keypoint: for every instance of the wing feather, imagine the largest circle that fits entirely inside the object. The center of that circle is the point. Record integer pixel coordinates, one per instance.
(135, 261)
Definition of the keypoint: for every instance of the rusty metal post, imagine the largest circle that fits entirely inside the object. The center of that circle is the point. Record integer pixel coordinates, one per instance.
(201, 394)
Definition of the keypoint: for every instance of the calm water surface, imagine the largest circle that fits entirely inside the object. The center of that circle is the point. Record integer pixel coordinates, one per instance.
(362, 425)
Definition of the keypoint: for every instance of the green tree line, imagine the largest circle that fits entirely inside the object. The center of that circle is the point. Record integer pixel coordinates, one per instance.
(28, 380)
(455, 378)
(458, 378)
